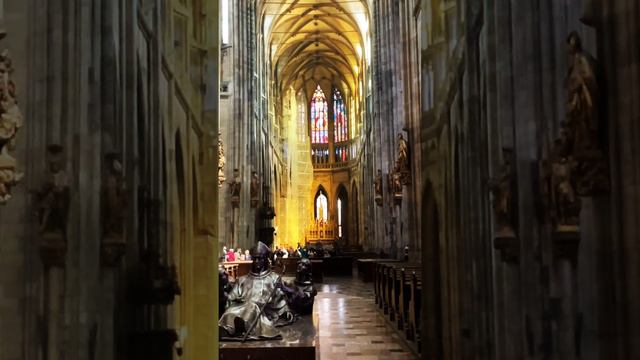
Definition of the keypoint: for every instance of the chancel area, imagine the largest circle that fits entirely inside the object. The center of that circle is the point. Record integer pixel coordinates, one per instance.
(319, 179)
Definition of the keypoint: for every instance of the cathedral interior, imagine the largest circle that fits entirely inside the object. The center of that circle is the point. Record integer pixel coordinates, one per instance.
(319, 179)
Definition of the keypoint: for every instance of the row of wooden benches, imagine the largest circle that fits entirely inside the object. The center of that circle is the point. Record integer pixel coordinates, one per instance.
(398, 293)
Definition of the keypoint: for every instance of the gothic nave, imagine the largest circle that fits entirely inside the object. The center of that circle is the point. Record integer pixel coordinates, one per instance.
(329, 179)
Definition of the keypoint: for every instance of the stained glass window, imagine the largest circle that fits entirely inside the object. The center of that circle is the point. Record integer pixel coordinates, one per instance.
(339, 118)
(319, 121)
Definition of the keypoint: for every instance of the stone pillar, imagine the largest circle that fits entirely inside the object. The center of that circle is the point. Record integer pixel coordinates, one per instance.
(332, 144)
(54, 279)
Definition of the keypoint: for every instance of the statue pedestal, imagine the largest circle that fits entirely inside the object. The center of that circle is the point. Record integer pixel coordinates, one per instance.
(111, 251)
(299, 341)
(53, 249)
(378, 200)
(154, 344)
(235, 201)
(397, 198)
(507, 243)
(566, 239)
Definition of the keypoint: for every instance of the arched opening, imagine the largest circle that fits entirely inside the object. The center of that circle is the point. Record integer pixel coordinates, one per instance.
(432, 326)
(182, 226)
(342, 211)
(355, 217)
(321, 206)
(195, 198)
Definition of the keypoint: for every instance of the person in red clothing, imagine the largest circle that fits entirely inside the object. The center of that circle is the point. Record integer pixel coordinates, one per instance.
(231, 256)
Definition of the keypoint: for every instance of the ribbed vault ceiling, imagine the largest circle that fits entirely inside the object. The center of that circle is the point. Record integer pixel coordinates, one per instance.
(313, 42)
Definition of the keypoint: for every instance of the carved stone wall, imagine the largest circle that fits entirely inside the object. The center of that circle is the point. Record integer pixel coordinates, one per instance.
(100, 78)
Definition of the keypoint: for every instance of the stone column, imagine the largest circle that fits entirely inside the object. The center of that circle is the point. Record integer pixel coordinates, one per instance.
(54, 312)
(332, 130)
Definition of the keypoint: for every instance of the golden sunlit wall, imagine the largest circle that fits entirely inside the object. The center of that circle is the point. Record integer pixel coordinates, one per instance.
(292, 221)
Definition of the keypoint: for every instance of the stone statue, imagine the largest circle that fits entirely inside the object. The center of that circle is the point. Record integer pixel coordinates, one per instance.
(234, 188)
(395, 186)
(52, 203)
(402, 159)
(11, 121)
(114, 207)
(565, 201)
(53, 196)
(114, 201)
(221, 162)
(302, 293)
(377, 185)
(255, 189)
(583, 120)
(502, 191)
(245, 303)
(582, 97)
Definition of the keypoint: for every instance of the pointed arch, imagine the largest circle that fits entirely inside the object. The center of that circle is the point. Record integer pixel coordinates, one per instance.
(342, 211)
(355, 217)
(321, 205)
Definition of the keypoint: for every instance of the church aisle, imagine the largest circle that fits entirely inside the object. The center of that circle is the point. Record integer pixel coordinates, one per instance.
(350, 325)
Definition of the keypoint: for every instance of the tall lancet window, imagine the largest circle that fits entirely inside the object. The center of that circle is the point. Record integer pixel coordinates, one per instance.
(339, 118)
(322, 206)
(302, 123)
(319, 121)
(339, 217)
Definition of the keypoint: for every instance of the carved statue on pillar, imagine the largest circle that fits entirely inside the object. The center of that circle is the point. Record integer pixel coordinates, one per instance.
(255, 189)
(395, 186)
(221, 162)
(11, 121)
(377, 185)
(583, 120)
(502, 189)
(565, 200)
(402, 161)
(114, 207)
(234, 188)
(592, 12)
(52, 201)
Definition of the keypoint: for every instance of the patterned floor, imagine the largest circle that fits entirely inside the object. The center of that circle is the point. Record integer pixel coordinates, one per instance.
(350, 325)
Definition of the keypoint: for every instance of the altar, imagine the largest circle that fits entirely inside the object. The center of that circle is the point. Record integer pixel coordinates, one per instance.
(299, 341)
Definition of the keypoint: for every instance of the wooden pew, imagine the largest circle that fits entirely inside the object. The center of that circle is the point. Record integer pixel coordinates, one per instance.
(366, 268)
(383, 279)
(400, 289)
(232, 271)
(392, 282)
(379, 281)
(415, 308)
